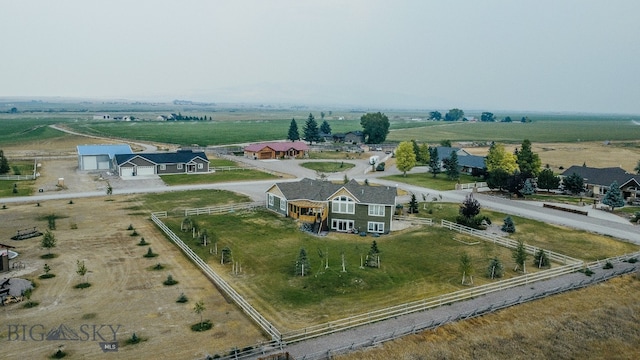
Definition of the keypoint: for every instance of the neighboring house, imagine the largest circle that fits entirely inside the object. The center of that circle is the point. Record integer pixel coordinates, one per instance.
(180, 162)
(466, 161)
(340, 207)
(100, 157)
(101, 117)
(326, 137)
(598, 180)
(277, 150)
(354, 137)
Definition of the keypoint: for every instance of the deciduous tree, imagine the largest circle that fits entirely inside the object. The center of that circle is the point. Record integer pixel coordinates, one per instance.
(454, 115)
(435, 115)
(405, 157)
(48, 241)
(375, 127)
(487, 117)
(499, 158)
(466, 268)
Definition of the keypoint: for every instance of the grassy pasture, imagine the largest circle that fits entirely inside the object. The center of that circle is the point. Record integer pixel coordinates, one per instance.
(176, 202)
(425, 179)
(24, 130)
(218, 176)
(556, 130)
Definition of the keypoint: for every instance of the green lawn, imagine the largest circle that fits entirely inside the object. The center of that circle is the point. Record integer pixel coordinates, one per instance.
(24, 188)
(440, 182)
(217, 177)
(416, 263)
(176, 202)
(328, 166)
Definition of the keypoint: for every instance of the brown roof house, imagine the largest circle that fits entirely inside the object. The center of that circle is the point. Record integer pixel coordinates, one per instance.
(276, 150)
(323, 205)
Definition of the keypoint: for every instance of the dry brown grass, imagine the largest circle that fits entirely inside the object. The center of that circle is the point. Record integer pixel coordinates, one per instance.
(594, 154)
(124, 291)
(599, 322)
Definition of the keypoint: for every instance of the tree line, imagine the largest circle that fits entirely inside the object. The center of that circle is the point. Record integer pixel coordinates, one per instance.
(375, 128)
(456, 114)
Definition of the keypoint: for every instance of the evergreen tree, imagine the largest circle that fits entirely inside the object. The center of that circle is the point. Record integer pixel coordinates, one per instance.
(540, 259)
(495, 268)
(498, 179)
(416, 149)
(519, 255)
(302, 263)
(528, 188)
(613, 197)
(574, 183)
(413, 205)
(470, 207)
(294, 134)
(434, 161)
(311, 131)
(528, 161)
(4, 163)
(508, 225)
(374, 254)
(548, 180)
(451, 166)
(325, 127)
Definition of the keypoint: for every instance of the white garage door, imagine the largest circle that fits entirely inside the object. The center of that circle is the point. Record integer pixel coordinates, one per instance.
(103, 165)
(145, 170)
(127, 171)
(89, 162)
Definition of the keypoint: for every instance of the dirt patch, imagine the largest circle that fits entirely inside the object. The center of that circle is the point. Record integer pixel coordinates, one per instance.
(123, 292)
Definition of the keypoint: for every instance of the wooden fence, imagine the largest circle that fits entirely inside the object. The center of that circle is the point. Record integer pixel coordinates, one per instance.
(222, 209)
(219, 281)
(509, 243)
(414, 220)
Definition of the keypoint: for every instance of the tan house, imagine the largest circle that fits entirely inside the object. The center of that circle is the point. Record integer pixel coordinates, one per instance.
(277, 150)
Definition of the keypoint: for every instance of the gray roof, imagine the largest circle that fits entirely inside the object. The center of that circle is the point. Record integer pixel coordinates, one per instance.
(602, 176)
(179, 157)
(316, 190)
(472, 161)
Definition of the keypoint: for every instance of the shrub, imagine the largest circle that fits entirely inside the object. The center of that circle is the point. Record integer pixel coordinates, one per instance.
(130, 227)
(158, 266)
(134, 339)
(134, 233)
(632, 260)
(202, 326)
(608, 265)
(170, 281)
(182, 298)
(150, 253)
(143, 242)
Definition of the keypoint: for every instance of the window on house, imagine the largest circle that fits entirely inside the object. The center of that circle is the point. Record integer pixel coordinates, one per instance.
(342, 225)
(270, 199)
(343, 205)
(200, 166)
(375, 227)
(179, 166)
(283, 205)
(376, 210)
(163, 167)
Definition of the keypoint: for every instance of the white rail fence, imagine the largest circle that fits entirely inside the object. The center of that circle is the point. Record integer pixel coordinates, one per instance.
(560, 258)
(223, 209)
(471, 185)
(219, 281)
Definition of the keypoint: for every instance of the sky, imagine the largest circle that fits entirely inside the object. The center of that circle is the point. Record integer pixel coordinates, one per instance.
(489, 55)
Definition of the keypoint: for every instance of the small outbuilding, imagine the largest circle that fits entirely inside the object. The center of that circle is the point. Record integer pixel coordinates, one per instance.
(100, 157)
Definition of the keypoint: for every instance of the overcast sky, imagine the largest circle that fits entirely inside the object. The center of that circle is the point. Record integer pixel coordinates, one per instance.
(543, 55)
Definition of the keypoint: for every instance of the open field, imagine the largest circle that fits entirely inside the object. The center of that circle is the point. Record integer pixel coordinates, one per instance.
(598, 322)
(124, 290)
(217, 177)
(328, 166)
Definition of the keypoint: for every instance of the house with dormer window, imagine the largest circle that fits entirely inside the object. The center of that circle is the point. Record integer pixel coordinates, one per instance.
(327, 206)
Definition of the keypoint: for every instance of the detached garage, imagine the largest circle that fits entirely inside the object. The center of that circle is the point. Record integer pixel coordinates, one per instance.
(100, 157)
